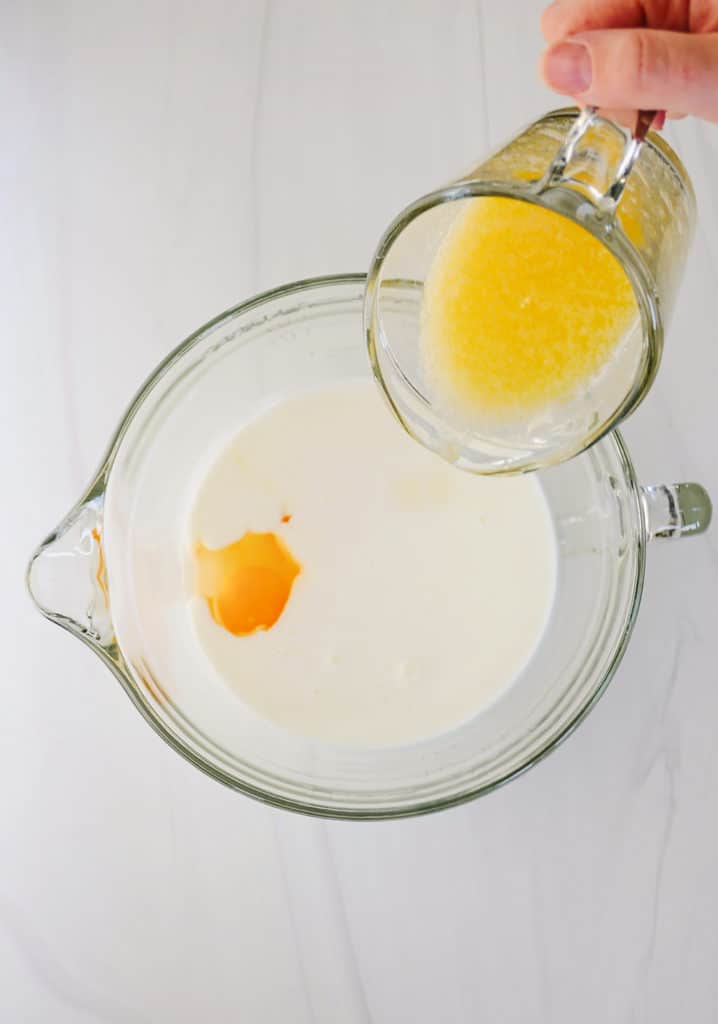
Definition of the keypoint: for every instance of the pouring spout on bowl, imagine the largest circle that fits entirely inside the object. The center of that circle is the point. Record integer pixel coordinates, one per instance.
(66, 575)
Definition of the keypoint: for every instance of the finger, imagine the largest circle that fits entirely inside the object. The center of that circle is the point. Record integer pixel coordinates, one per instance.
(628, 116)
(567, 17)
(641, 68)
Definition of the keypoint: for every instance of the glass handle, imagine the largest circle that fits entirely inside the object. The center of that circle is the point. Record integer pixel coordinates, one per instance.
(676, 510)
(601, 169)
(66, 575)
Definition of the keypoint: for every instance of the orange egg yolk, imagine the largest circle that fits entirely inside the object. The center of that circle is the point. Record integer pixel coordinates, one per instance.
(247, 584)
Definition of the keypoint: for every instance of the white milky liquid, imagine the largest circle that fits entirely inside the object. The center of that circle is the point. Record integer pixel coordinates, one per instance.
(423, 590)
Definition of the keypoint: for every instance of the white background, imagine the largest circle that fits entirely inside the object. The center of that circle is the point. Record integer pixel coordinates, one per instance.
(161, 160)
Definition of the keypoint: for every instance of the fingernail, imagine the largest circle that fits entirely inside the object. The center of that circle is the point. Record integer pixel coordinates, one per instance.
(567, 68)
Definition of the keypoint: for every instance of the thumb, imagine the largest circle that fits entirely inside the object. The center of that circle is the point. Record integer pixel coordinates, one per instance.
(639, 68)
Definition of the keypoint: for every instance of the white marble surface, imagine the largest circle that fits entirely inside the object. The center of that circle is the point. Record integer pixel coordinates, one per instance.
(160, 161)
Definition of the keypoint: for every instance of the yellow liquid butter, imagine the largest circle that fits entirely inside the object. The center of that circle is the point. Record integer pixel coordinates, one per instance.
(522, 308)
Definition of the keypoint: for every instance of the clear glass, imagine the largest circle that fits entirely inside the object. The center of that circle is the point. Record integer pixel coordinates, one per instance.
(575, 165)
(113, 574)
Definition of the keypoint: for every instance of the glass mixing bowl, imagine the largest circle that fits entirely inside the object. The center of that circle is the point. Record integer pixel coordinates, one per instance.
(112, 573)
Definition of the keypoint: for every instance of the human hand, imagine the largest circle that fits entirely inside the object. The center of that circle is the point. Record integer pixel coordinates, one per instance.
(637, 54)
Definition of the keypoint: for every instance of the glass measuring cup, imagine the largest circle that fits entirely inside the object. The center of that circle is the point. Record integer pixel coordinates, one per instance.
(112, 574)
(636, 199)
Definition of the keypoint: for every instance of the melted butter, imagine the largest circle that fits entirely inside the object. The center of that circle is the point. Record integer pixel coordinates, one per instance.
(521, 307)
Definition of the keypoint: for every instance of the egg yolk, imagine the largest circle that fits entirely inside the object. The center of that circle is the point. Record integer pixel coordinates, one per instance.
(247, 584)
(522, 307)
